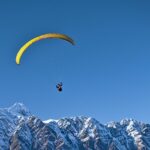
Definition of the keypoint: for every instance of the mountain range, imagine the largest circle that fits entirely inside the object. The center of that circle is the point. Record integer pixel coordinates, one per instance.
(21, 130)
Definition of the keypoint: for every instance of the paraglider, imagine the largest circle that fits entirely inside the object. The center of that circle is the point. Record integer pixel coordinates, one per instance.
(59, 87)
(38, 38)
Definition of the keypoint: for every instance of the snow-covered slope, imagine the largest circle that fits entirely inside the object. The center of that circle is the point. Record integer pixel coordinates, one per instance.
(20, 130)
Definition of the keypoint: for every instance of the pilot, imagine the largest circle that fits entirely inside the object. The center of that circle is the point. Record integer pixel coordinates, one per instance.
(59, 87)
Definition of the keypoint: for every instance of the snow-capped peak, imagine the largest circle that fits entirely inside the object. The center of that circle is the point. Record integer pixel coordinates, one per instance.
(19, 109)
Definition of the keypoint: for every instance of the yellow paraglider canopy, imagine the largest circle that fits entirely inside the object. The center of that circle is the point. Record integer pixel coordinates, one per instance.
(44, 36)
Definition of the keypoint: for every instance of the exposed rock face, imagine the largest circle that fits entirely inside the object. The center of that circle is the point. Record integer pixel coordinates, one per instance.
(20, 130)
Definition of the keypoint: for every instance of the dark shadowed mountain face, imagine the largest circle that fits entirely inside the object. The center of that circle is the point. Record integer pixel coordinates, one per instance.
(20, 130)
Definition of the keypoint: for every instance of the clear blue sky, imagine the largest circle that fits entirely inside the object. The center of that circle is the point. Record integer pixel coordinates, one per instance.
(106, 75)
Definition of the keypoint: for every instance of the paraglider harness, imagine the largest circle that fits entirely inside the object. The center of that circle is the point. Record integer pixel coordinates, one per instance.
(59, 86)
